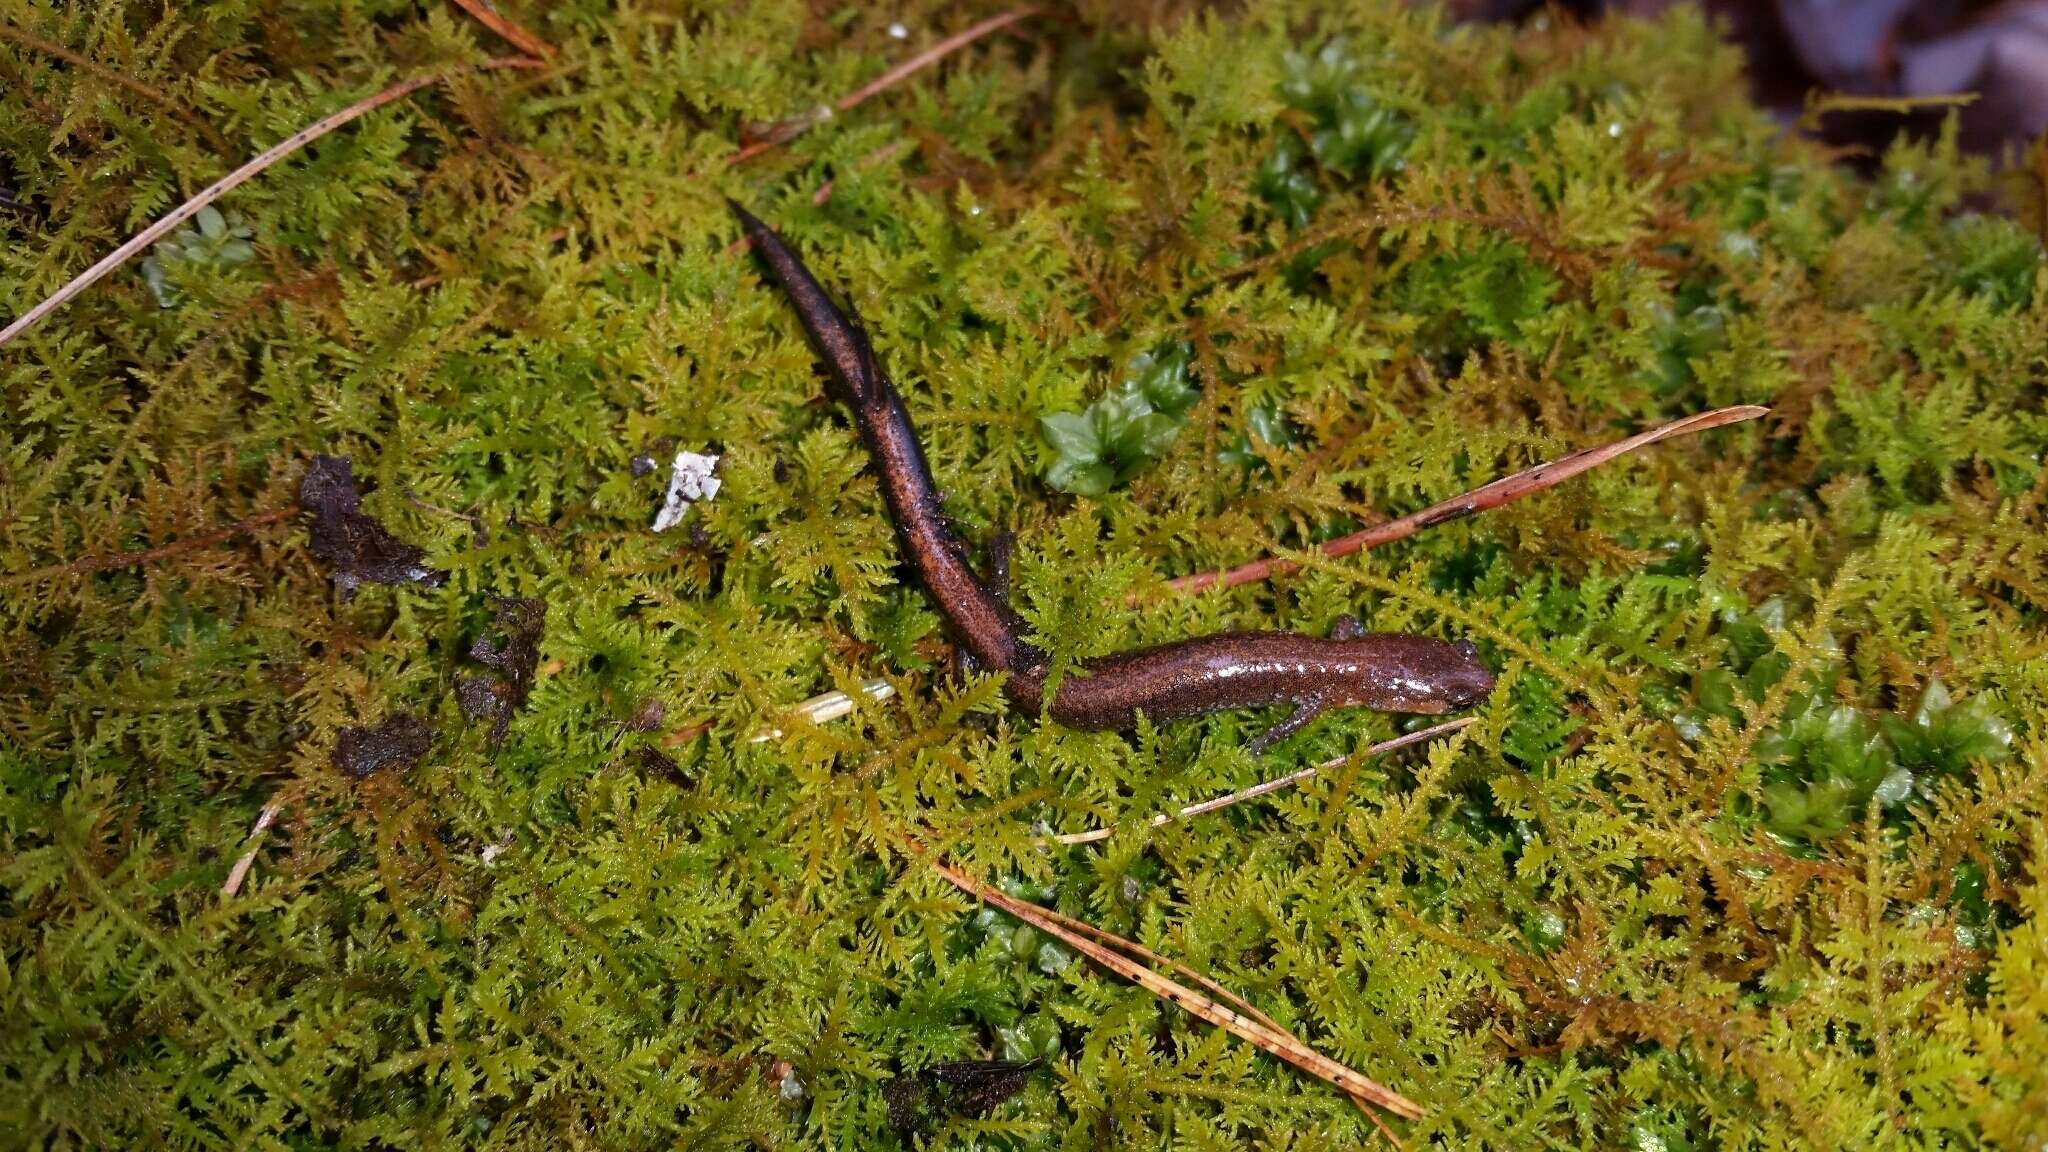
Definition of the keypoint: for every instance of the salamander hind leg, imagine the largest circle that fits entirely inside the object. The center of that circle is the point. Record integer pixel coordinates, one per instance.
(1303, 713)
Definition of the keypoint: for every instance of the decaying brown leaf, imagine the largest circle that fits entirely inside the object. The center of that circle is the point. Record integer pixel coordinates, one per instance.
(966, 1088)
(514, 656)
(399, 742)
(357, 546)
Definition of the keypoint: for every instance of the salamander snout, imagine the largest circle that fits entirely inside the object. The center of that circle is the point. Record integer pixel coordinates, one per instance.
(1466, 680)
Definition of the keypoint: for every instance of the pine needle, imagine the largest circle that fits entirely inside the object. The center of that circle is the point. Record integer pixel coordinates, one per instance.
(796, 126)
(1264, 1036)
(1506, 490)
(236, 179)
(507, 29)
(1276, 784)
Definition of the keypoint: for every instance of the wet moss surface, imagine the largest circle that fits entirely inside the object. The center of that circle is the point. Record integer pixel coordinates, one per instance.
(1745, 852)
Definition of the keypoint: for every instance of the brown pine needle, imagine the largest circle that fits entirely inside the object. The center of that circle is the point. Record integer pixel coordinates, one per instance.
(88, 565)
(792, 128)
(507, 29)
(1273, 1041)
(28, 39)
(1276, 784)
(1503, 491)
(236, 179)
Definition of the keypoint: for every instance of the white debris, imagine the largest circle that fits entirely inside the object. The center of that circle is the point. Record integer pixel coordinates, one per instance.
(690, 479)
(491, 852)
(831, 706)
(899, 32)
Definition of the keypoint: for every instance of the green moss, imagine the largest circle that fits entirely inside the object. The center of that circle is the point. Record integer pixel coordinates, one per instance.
(1745, 852)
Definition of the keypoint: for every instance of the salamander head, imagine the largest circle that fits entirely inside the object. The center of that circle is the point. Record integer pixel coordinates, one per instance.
(1407, 673)
(1466, 680)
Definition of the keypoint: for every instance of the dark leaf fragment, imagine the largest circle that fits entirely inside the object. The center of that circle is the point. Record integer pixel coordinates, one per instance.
(399, 742)
(655, 762)
(357, 547)
(968, 1088)
(514, 655)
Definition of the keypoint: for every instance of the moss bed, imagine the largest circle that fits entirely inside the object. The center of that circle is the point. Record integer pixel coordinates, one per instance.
(1745, 852)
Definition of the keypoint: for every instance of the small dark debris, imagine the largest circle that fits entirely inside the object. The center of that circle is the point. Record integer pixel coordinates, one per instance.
(641, 465)
(514, 658)
(483, 698)
(399, 742)
(655, 762)
(357, 547)
(970, 1088)
(1445, 516)
(649, 715)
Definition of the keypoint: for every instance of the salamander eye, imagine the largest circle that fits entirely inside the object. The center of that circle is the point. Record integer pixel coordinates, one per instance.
(1467, 649)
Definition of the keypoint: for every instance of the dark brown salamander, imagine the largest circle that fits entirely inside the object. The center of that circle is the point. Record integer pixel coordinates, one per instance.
(1384, 672)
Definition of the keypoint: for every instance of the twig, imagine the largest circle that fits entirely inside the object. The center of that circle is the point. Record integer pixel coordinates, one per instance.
(240, 871)
(1503, 491)
(1819, 104)
(1274, 1041)
(795, 126)
(88, 565)
(1276, 784)
(488, 16)
(235, 179)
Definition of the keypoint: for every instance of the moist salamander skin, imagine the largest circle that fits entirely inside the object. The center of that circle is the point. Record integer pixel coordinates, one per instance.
(1386, 672)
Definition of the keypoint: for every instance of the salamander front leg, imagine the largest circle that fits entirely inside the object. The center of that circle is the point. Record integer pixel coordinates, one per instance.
(1303, 713)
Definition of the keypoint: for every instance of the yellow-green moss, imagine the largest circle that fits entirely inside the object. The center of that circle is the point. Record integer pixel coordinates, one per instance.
(1721, 866)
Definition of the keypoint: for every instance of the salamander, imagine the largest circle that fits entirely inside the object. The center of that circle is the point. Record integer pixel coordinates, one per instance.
(1386, 672)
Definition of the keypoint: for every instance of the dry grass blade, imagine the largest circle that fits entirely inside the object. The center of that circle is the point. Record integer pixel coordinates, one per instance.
(236, 179)
(240, 872)
(1262, 1035)
(1503, 491)
(507, 29)
(1277, 783)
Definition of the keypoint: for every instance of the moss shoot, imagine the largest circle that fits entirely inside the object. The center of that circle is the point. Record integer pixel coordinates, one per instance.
(1746, 852)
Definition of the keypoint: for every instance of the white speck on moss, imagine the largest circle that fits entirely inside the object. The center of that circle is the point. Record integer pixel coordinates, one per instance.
(690, 479)
(491, 852)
